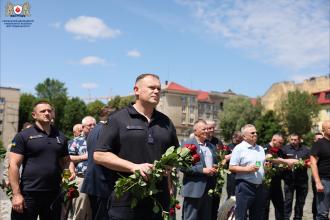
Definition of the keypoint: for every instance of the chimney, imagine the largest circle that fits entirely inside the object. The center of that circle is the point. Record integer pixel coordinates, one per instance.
(166, 82)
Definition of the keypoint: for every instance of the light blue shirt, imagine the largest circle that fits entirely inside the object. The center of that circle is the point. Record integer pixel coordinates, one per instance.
(206, 152)
(245, 154)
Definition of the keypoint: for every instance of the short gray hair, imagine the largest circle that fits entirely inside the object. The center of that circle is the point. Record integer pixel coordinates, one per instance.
(243, 129)
(85, 119)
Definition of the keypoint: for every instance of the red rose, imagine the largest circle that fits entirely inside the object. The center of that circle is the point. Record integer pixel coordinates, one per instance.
(196, 158)
(225, 148)
(274, 150)
(307, 162)
(192, 148)
(172, 211)
(177, 206)
(220, 147)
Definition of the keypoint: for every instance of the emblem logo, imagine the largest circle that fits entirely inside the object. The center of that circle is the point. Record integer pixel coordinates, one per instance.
(18, 10)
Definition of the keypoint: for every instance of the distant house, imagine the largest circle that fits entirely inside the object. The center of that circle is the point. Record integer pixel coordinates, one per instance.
(184, 106)
(9, 105)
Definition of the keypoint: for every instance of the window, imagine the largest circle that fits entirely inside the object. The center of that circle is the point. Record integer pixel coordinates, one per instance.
(184, 107)
(2, 100)
(183, 118)
(191, 120)
(221, 105)
(327, 95)
(191, 109)
(184, 100)
(1, 111)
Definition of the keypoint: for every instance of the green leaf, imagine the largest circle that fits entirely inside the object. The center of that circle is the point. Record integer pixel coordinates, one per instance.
(155, 209)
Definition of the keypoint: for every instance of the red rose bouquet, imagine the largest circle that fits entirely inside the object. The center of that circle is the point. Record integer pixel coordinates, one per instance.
(222, 170)
(139, 188)
(69, 190)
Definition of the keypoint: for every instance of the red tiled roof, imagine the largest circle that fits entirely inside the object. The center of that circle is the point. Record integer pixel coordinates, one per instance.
(176, 87)
(203, 96)
(321, 97)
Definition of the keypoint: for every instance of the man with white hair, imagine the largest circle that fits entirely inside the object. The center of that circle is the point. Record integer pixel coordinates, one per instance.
(77, 130)
(79, 156)
(247, 162)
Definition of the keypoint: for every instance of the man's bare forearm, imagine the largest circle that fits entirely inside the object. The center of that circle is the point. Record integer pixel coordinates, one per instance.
(113, 162)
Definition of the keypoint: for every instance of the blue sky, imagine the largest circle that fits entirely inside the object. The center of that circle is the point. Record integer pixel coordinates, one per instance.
(97, 48)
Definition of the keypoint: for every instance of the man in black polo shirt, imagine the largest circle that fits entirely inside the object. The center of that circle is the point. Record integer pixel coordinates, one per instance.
(134, 137)
(320, 164)
(295, 181)
(42, 151)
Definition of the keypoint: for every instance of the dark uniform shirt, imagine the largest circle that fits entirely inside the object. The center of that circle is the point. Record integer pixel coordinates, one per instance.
(289, 152)
(321, 149)
(41, 163)
(130, 136)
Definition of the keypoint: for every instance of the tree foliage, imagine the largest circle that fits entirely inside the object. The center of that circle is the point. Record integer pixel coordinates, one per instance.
(56, 92)
(237, 112)
(94, 108)
(119, 102)
(74, 111)
(297, 110)
(25, 109)
(268, 125)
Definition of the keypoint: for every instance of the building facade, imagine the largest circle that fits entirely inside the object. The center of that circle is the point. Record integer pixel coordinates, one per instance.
(318, 86)
(9, 105)
(184, 106)
(323, 98)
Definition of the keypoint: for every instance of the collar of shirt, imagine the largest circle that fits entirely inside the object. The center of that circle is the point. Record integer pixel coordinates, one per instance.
(247, 145)
(132, 111)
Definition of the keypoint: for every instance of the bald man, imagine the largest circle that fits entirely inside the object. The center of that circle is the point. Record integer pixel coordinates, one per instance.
(320, 164)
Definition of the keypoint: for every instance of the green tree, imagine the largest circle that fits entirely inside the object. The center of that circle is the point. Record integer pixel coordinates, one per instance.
(119, 102)
(297, 110)
(237, 112)
(268, 125)
(26, 101)
(94, 108)
(74, 111)
(56, 92)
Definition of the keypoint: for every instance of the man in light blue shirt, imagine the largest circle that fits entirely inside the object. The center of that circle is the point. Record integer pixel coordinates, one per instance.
(247, 162)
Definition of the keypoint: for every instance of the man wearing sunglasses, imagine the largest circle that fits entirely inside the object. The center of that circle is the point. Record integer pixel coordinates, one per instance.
(247, 162)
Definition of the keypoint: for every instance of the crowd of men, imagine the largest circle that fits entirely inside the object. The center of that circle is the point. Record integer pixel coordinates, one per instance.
(130, 139)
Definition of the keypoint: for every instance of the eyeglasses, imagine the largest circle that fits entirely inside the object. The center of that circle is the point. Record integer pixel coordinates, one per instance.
(254, 132)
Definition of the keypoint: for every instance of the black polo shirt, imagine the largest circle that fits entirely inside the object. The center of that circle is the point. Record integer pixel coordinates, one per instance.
(42, 153)
(130, 136)
(321, 149)
(289, 152)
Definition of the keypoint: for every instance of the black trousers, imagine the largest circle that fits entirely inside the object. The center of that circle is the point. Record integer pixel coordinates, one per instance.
(99, 207)
(230, 185)
(300, 188)
(314, 209)
(274, 193)
(46, 205)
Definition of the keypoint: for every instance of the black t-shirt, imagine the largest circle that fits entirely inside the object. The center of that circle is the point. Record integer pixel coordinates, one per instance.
(41, 163)
(130, 136)
(321, 149)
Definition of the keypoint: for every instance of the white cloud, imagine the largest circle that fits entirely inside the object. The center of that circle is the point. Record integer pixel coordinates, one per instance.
(90, 28)
(92, 60)
(134, 53)
(89, 85)
(288, 33)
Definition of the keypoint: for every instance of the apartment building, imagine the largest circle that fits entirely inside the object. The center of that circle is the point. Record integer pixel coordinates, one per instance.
(9, 105)
(184, 106)
(323, 98)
